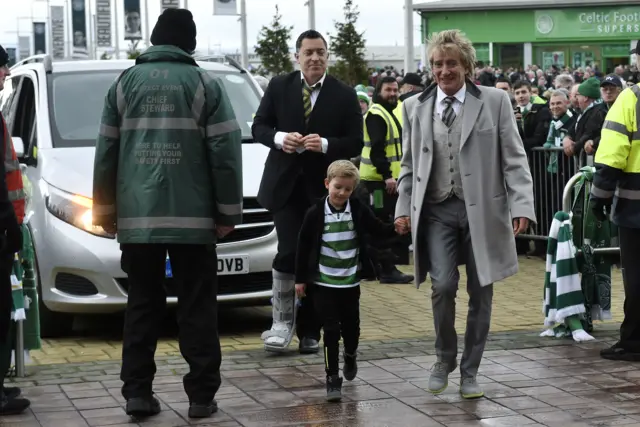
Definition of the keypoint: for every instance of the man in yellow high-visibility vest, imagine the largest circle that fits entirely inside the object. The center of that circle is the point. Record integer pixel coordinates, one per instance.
(379, 171)
(616, 190)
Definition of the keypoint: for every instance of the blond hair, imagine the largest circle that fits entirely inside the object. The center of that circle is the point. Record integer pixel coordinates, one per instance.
(343, 169)
(453, 42)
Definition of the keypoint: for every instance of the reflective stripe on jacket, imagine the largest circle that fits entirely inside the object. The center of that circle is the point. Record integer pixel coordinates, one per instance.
(393, 147)
(168, 162)
(13, 176)
(617, 160)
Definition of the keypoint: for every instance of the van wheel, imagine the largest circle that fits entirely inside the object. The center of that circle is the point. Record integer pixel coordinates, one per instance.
(52, 324)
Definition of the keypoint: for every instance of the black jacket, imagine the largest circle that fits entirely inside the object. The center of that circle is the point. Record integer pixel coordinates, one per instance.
(365, 223)
(336, 116)
(536, 126)
(8, 218)
(377, 129)
(588, 127)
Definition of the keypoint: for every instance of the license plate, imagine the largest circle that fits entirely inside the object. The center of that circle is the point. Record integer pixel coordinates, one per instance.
(227, 265)
(233, 264)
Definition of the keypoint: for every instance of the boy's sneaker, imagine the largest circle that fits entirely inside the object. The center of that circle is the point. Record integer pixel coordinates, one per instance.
(142, 407)
(334, 388)
(350, 368)
(439, 379)
(203, 410)
(13, 406)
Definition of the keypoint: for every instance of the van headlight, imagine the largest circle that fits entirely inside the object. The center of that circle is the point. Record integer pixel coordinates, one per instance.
(73, 209)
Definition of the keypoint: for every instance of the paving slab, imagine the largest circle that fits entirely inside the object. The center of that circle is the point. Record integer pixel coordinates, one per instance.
(528, 381)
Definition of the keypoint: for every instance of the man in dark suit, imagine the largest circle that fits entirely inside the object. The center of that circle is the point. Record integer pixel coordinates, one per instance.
(308, 119)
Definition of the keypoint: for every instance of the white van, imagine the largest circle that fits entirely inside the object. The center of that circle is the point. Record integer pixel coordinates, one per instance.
(53, 112)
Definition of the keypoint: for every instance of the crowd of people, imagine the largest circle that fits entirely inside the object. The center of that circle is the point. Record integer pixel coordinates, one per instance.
(352, 178)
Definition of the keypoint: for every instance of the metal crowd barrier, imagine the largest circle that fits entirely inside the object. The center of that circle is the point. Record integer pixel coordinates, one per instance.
(548, 187)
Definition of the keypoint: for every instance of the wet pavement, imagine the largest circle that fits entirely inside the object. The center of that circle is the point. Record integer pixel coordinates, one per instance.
(528, 380)
(387, 312)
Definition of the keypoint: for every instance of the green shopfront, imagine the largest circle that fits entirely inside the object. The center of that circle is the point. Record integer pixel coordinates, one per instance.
(573, 37)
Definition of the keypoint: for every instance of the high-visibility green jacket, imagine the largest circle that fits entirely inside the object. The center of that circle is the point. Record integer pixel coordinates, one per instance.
(393, 147)
(617, 160)
(398, 112)
(168, 162)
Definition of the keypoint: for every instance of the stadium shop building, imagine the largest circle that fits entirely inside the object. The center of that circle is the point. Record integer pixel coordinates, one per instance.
(573, 33)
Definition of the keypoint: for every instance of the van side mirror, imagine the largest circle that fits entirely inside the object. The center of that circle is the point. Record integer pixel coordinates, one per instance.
(18, 146)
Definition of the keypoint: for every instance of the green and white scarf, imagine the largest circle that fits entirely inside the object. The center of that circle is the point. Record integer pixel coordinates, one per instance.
(562, 291)
(554, 139)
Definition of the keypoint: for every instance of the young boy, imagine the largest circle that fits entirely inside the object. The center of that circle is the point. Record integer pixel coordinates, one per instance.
(332, 246)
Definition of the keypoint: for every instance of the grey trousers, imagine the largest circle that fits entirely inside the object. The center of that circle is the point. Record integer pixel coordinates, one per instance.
(448, 241)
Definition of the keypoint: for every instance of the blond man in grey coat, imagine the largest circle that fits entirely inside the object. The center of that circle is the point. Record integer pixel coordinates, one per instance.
(465, 189)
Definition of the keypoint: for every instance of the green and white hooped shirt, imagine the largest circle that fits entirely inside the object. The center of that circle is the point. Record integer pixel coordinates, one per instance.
(339, 252)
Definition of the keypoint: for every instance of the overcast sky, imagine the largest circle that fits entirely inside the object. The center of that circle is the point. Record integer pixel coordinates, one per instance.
(382, 20)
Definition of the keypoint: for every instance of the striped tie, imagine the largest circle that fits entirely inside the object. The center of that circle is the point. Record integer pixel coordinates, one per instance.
(306, 99)
(448, 115)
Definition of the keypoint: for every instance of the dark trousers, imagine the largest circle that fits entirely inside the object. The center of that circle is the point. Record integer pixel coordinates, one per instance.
(629, 250)
(339, 311)
(6, 306)
(195, 273)
(288, 222)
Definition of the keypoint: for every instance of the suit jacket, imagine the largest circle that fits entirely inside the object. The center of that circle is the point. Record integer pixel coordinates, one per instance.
(495, 175)
(336, 116)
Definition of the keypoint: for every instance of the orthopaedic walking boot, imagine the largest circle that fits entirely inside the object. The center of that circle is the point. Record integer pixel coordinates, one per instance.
(278, 338)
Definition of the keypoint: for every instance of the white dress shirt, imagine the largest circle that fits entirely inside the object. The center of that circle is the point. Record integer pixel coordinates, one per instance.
(278, 139)
(457, 104)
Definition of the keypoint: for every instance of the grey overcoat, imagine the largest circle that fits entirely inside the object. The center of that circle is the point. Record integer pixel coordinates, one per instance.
(495, 173)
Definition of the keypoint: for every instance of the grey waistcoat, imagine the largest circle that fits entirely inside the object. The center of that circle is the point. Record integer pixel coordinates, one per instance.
(445, 171)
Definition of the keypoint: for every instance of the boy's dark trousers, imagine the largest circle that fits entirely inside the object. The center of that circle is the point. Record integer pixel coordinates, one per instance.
(339, 311)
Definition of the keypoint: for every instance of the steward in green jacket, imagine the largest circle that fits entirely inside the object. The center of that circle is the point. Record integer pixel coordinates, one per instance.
(168, 164)
(168, 181)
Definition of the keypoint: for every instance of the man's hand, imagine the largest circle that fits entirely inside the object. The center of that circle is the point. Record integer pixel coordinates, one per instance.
(520, 225)
(599, 209)
(392, 185)
(567, 144)
(588, 147)
(518, 116)
(403, 225)
(292, 141)
(312, 142)
(223, 230)
(300, 290)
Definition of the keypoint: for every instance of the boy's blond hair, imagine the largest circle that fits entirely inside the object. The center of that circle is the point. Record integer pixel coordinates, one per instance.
(343, 169)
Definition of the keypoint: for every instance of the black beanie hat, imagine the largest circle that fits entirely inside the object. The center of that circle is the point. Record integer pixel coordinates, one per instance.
(175, 27)
(4, 57)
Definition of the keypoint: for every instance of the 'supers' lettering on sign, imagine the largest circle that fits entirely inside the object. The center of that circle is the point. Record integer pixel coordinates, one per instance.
(158, 153)
(611, 22)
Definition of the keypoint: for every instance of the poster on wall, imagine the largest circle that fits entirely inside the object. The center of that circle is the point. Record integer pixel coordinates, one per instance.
(39, 38)
(103, 22)
(552, 58)
(12, 52)
(57, 31)
(24, 47)
(169, 4)
(225, 7)
(79, 29)
(132, 20)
